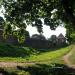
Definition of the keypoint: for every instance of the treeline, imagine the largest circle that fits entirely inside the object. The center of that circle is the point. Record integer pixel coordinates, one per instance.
(39, 41)
(36, 40)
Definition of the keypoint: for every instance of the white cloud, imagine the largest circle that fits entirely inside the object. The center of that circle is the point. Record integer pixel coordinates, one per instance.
(2, 11)
(32, 30)
(46, 31)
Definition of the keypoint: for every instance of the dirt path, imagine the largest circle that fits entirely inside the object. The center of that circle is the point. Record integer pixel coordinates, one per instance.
(66, 58)
(14, 64)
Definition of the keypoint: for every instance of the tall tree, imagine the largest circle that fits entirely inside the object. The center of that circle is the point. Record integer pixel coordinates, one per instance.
(21, 13)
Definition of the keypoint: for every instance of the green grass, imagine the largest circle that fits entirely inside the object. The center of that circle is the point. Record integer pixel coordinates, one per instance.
(17, 54)
(49, 55)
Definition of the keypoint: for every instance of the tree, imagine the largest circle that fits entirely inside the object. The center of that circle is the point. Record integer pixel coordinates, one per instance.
(38, 37)
(21, 13)
(69, 7)
(1, 22)
(38, 41)
(53, 40)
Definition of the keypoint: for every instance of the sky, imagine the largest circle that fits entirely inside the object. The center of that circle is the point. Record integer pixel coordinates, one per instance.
(46, 31)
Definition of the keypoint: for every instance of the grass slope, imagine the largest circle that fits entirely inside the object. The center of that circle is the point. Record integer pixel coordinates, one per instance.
(25, 54)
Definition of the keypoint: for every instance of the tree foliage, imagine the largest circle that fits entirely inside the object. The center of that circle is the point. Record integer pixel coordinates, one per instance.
(21, 13)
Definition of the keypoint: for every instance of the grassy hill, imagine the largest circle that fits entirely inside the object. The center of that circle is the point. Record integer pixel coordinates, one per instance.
(26, 54)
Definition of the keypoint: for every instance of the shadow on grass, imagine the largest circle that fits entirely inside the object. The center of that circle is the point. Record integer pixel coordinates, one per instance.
(50, 49)
(3, 72)
(53, 69)
(7, 50)
(14, 51)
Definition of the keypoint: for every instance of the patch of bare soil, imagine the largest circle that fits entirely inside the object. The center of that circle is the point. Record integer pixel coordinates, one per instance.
(66, 58)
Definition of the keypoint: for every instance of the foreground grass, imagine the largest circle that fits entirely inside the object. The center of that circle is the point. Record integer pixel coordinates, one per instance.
(39, 69)
(9, 53)
(14, 54)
